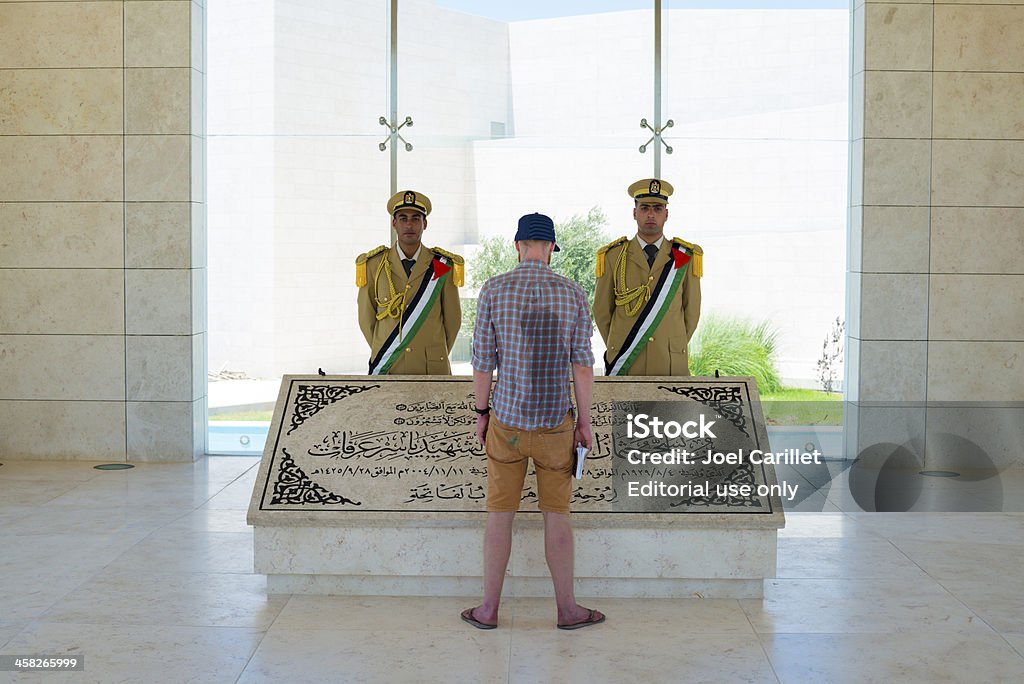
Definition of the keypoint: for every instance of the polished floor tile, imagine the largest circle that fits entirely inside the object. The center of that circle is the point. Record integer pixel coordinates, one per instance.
(64, 552)
(387, 656)
(815, 502)
(1012, 497)
(39, 570)
(964, 560)
(1016, 641)
(149, 573)
(822, 526)
(10, 516)
(382, 612)
(1000, 604)
(609, 653)
(8, 630)
(26, 596)
(205, 519)
(233, 466)
(886, 658)
(872, 491)
(51, 471)
(856, 558)
(992, 528)
(139, 493)
(858, 606)
(185, 599)
(17, 493)
(678, 616)
(71, 520)
(100, 496)
(187, 551)
(235, 495)
(138, 653)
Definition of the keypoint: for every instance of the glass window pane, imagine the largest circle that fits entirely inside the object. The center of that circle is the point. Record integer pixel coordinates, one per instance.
(758, 93)
(296, 189)
(523, 107)
(534, 107)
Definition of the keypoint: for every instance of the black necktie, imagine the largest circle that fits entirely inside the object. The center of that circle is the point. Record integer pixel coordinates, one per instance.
(407, 264)
(652, 252)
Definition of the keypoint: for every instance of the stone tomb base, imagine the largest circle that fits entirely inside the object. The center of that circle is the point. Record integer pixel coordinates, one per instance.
(372, 486)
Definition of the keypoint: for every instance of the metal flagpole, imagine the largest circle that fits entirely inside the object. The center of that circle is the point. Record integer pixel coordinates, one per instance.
(657, 84)
(393, 59)
(657, 129)
(392, 124)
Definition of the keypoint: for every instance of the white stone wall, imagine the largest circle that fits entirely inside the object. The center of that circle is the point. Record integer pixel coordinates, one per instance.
(936, 274)
(102, 230)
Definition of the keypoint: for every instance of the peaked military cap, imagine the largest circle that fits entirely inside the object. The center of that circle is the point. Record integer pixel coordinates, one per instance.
(651, 190)
(409, 199)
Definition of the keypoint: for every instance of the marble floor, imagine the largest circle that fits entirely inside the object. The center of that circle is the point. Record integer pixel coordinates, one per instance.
(147, 573)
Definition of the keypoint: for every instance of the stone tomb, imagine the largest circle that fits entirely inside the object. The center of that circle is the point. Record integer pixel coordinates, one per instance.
(373, 485)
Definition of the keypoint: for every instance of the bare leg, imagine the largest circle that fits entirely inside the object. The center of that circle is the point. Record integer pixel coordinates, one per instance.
(497, 548)
(558, 549)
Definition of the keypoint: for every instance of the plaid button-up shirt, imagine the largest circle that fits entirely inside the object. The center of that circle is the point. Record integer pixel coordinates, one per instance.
(531, 324)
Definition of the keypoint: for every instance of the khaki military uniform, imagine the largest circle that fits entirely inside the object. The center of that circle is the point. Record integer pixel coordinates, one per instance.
(665, 352)
(380, 309)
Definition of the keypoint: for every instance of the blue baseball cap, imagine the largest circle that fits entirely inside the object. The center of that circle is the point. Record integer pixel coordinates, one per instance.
(536, 227)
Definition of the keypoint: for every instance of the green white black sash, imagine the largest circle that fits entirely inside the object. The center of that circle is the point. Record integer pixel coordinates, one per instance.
(416, 311)
(664, 291)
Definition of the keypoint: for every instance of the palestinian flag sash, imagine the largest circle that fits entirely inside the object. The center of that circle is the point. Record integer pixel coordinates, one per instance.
(669, 281)
(416, 311)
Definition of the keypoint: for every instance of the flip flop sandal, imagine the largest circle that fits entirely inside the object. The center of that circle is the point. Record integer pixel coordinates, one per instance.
(467, 616)
(584, 623)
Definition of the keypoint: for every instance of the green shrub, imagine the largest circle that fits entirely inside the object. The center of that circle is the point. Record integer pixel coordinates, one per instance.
(735, 346)
(579, 238)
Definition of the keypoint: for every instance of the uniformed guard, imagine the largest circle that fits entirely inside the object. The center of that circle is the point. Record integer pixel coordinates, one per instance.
(409, 308)
(647, 301)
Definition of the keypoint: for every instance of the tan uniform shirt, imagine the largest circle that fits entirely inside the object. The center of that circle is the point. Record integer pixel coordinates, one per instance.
(427, 352)
(665, 352)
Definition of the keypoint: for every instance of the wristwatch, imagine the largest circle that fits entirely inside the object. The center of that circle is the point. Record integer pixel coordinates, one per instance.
(483, 411)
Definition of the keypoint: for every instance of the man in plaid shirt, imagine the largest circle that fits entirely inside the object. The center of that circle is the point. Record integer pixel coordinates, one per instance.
(534, 326)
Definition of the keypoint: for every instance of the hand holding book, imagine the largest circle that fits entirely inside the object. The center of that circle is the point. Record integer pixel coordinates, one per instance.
(579, 460)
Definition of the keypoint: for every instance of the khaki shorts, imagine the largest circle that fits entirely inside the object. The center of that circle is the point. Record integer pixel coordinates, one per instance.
(509, 451)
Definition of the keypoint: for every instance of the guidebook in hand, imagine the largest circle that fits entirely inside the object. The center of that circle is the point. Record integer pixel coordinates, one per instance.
(581, 457)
